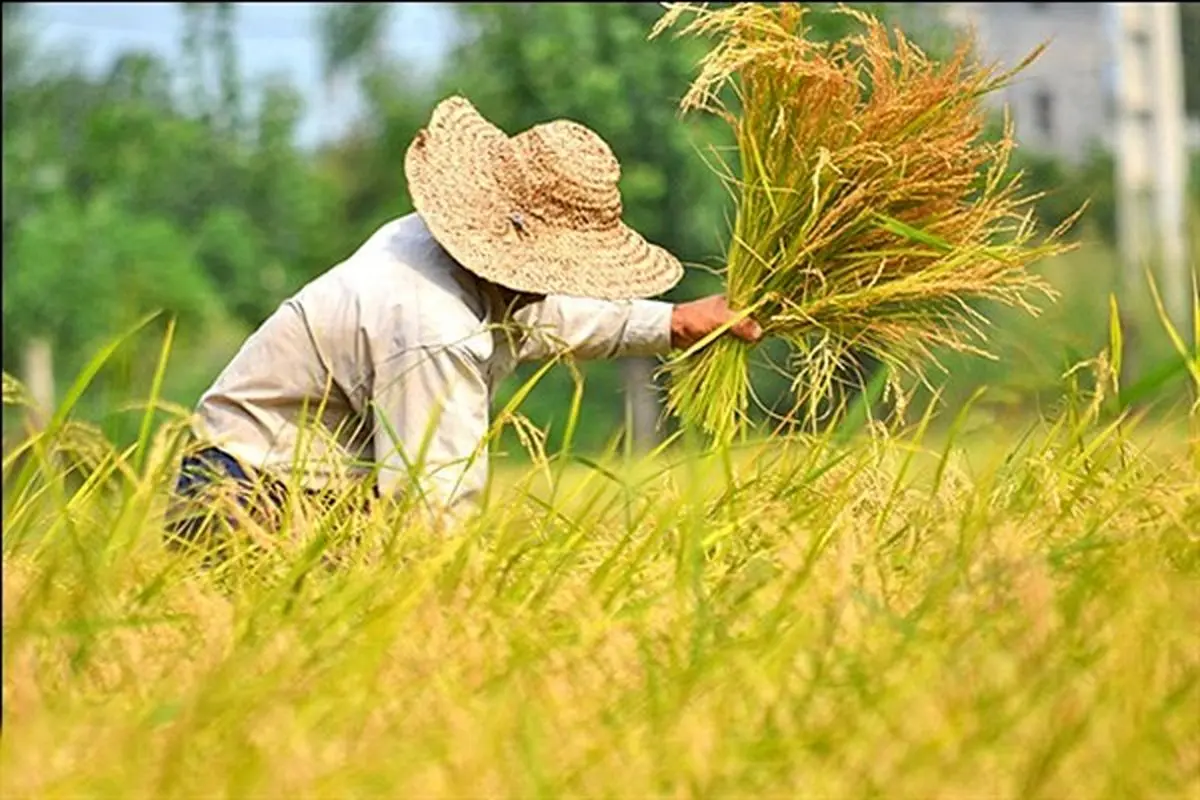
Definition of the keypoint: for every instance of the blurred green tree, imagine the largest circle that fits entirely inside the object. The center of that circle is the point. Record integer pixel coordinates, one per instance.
(121, 196)
(365, 163)
(351, 39)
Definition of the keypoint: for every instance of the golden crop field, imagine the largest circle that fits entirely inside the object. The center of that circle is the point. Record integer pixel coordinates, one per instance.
(984, 612)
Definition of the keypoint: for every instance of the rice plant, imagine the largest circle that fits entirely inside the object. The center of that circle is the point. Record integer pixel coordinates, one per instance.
(912, 614)
(872, 215)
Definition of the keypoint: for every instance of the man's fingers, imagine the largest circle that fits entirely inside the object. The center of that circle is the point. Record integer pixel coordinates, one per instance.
(691, 322)
(747, 329)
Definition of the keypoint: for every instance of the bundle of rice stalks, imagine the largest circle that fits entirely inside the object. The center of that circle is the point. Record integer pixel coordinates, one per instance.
(872, 211)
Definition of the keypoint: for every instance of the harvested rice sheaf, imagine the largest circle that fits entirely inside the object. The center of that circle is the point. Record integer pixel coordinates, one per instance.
(872, 211)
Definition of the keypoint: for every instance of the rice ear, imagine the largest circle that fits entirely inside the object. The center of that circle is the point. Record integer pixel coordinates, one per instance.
(872, 214)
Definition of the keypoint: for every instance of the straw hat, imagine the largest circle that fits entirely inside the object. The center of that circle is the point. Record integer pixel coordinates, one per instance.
(539, 212)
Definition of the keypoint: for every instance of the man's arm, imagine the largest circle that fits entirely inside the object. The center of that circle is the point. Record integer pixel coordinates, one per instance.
(592, 329)
(431, 415)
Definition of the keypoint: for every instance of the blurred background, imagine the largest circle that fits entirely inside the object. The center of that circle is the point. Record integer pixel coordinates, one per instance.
(210, 158)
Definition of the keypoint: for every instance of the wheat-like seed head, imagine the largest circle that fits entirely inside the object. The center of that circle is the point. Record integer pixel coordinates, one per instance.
(871, 211)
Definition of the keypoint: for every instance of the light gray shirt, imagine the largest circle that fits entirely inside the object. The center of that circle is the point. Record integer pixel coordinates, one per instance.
(395, 354)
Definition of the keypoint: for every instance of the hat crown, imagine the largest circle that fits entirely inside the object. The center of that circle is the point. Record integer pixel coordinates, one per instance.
(539, 212)
(569, 176)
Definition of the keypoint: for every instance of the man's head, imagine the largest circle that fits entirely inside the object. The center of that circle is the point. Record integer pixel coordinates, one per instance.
(537, 213)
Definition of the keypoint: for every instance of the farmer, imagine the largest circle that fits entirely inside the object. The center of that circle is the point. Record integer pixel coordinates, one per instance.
(381, 370)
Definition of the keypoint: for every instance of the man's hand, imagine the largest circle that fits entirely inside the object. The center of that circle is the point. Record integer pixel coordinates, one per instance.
(691, 322)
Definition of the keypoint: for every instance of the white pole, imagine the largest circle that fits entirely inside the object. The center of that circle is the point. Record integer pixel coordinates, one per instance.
(1151, 157)
(39, 381)
(641, 403)
(1133, 143)
(1170, 161)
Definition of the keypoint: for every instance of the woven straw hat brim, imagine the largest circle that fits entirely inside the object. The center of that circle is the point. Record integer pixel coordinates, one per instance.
(453, 169)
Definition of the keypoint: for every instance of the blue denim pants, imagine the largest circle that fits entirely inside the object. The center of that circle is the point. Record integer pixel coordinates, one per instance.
(262, 497)
(199, 472)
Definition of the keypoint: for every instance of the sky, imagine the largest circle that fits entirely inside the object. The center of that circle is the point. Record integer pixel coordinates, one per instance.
(271, 38)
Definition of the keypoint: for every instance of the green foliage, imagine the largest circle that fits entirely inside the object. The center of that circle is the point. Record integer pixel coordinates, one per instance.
(1065, 187)
(121, 197)
(350, 34)
(81, 270)
(364, 169)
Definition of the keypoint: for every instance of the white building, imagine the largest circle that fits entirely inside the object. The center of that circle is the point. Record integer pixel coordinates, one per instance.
(1063, 103)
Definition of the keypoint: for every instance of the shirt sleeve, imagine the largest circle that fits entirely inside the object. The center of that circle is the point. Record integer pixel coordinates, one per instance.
(592, 329)
(431, 415)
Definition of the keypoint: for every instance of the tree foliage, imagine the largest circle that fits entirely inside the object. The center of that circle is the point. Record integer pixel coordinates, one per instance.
(123, 196)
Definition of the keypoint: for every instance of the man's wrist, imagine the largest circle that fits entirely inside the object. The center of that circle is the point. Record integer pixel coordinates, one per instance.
(650, 331)
(676, 326)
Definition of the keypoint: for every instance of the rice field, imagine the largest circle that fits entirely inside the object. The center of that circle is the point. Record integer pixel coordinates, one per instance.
(953, 609)
(951, 606)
